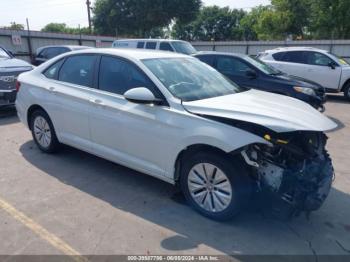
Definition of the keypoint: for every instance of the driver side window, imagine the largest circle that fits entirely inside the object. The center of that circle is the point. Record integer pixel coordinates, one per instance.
(314, 58)
(118, 76)
(232, 66)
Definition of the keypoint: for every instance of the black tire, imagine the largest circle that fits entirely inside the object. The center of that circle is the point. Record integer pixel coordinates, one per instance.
(54, 144)
(347, 91)
(241, 186)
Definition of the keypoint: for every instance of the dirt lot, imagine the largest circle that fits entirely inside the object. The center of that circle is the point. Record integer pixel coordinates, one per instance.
(74, 202)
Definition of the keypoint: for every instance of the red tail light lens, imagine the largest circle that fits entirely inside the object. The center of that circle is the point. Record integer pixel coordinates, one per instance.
(18, 85)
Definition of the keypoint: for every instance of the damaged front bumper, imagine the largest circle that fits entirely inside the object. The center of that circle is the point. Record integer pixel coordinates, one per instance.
(294, 169)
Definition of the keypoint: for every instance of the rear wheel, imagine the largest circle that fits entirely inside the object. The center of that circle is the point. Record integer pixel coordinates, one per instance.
(347, 91)
(215, 185)
(43, 132)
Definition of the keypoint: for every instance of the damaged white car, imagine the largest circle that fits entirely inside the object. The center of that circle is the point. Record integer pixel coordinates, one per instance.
(175, 118)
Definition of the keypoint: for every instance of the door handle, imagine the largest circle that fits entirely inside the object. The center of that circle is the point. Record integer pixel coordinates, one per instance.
(52, 90)
(97, 102)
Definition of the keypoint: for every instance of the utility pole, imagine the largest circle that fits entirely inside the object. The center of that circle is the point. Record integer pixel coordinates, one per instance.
(29, 42)
(88, 3)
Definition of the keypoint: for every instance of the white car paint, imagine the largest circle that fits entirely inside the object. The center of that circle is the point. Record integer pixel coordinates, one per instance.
(332, 79)
(149, 138)
(265, 109)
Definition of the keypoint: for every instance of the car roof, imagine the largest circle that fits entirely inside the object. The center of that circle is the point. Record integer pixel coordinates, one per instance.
(72, 47)
(219, 53)
(296, 48)
(138, 54)
(148, 39)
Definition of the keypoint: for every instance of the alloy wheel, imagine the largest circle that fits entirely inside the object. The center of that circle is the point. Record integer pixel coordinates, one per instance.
(209, 187)
(42, 131)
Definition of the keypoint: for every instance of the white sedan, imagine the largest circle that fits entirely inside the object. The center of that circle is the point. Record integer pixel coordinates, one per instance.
(175, 118)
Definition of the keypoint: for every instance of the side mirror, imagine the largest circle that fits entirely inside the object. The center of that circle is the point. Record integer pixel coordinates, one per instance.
(332, 65)
(141, 95)
(251, 74)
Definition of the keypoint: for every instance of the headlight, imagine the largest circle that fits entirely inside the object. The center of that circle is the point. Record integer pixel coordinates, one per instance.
(305, 90)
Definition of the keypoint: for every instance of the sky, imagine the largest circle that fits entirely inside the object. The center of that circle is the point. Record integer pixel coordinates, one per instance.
(73, 12)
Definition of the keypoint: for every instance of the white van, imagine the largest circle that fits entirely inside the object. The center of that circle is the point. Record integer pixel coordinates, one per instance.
(177, 46)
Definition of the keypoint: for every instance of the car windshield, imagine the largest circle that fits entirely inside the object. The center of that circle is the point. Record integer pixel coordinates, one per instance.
(189, 79)
(184, 47)
(3, 54)
(340, 60)
(262, 66)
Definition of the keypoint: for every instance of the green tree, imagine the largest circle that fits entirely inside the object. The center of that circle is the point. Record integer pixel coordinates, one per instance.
(330, 19)
(63, 28)
(140, 17)
(249, 23)
(212, 23)
(55, 28)
(296, 14)
(15, 26)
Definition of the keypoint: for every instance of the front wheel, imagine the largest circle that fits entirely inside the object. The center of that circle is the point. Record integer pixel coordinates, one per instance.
(347, 91)
(215, 185)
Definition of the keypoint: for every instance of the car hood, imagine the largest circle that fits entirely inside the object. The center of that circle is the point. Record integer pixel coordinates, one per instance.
(276, 112)
(13, 63)
(298, 81)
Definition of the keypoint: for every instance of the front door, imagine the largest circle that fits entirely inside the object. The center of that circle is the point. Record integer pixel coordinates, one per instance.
(236, 70)
(132, 134)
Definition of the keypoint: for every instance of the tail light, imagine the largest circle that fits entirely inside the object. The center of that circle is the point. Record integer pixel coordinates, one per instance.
(18, 85)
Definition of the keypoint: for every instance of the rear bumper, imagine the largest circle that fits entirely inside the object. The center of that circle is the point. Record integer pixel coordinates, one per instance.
(7, 97)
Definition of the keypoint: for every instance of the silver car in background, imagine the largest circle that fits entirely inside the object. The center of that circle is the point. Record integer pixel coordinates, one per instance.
(10, 68)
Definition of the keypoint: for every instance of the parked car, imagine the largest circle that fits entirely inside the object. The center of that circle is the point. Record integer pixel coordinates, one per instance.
(249, 72)
(175, 118)
(45, 53)
(177, 46)
(318, 65)
(10, 68)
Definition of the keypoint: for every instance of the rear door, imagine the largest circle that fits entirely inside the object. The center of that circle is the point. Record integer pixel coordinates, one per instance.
(72, 91)
(291, 62)
(236, 70)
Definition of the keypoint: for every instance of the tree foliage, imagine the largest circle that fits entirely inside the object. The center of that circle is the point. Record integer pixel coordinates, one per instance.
(14, 26)
(63, 28)
(330, 19)
(212, 23)
(188, 20)
(139, 17)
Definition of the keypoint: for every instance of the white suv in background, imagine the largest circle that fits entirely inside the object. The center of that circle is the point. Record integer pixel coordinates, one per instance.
(169, 45)
(314, 64)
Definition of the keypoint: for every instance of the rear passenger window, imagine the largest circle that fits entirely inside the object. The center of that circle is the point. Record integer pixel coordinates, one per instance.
(52, 71)
(118, 76)
(165, 46)
(151, 45)
(278, 56)
(207, 59)
(78, 70)
(55, 51)
(294, 57)
(140, 45)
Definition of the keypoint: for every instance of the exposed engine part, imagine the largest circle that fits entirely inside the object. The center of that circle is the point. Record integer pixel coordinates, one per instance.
(271, 176)
(296, 169)
(248, 160)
